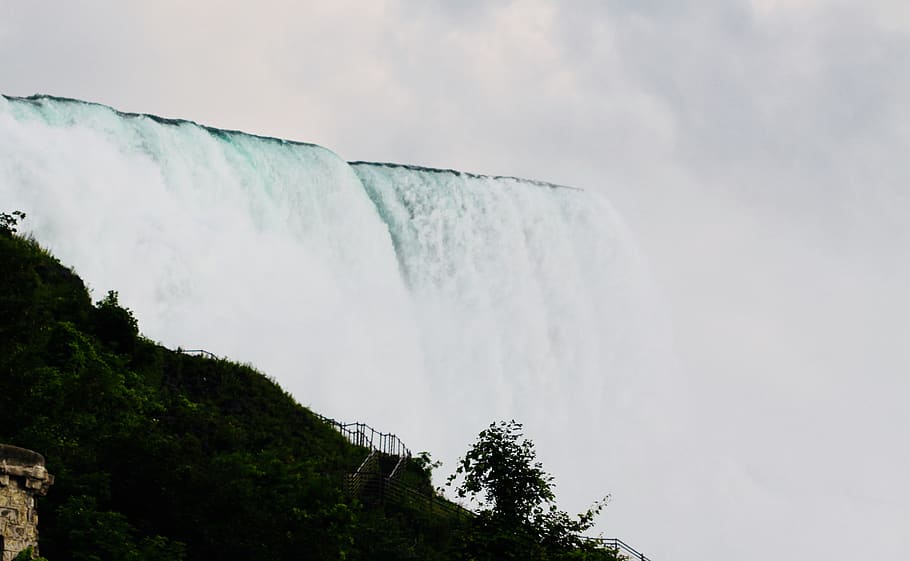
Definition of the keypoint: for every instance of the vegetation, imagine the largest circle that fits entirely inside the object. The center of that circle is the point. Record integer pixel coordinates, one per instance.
(159, 455)
(520, 519)
(9, 221)
(28, 554)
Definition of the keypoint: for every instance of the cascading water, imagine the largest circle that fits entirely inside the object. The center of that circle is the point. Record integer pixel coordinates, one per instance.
(265, 250)
(426, 302)
(521, 291)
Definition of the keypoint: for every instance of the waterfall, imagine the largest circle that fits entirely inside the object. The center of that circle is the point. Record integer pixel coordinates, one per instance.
(427, 302)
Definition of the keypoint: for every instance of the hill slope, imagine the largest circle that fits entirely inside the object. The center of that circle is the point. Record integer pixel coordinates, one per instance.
(162, 455)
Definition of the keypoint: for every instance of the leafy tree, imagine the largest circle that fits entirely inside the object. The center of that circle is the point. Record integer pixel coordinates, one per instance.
(519, 518)
(116, 325)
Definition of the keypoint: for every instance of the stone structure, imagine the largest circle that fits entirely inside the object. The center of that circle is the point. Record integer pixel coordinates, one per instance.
(22, 477)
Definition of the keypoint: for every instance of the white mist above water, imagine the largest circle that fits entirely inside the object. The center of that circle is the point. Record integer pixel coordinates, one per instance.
(428, 303)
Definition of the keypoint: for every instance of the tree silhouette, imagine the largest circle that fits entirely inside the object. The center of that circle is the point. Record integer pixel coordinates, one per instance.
(519, 518)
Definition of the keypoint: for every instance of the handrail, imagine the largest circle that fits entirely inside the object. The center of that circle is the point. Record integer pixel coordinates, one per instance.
(361, 434)
(620, 546)
(369, 466)
(396, 490)
(399, 468)
(199, 352)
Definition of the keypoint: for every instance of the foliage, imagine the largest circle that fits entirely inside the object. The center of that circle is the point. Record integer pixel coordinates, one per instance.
(502, 469)
(159, 455)
(28, 554)
(95, 535)
(115, 325)
(519, 519)
(424, 465)
(163, 456)
(10, 221)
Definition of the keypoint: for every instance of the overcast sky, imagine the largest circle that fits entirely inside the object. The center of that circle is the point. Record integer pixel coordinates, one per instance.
(758, 149)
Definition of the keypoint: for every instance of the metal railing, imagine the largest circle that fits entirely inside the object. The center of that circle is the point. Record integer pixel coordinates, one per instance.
(369, 469)
(388, 489)
(625, 550)
(399, 468)
(199, 352)
(361, 434)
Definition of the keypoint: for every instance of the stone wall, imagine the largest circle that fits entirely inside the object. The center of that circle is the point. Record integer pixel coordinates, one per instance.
(22, 478)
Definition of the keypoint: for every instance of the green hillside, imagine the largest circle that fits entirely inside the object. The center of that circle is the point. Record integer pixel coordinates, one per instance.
(159, 455)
